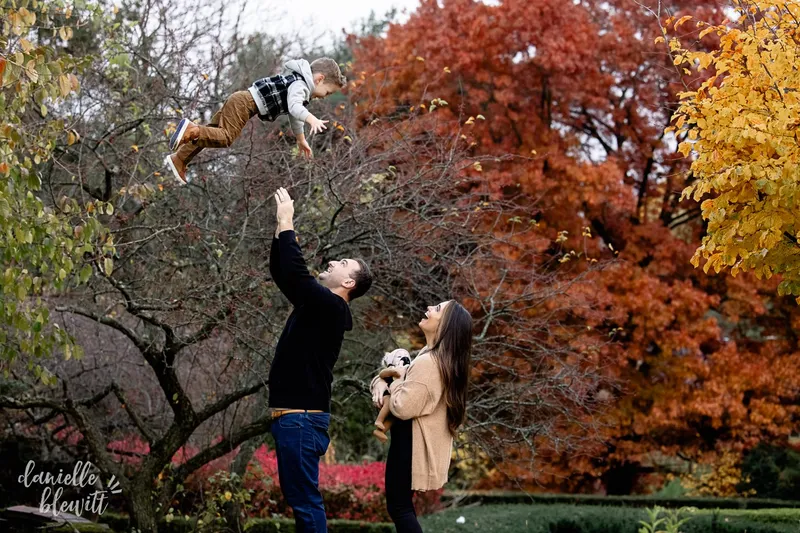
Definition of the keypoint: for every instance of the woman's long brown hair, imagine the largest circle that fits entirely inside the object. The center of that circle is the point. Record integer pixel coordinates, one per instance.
(452, 352)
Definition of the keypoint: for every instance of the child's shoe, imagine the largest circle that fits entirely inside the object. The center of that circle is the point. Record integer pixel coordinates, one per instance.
(177, 167)
(381, 436)
(185, 132)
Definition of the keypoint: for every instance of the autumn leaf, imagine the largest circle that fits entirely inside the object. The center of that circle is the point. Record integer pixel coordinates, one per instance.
(108, 266)
(64, 84)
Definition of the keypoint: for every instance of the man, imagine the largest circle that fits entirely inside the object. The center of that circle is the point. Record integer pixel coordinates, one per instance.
(302, 370)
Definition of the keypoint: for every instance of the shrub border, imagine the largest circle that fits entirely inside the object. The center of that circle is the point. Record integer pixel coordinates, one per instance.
(466, 497)
(120, 522)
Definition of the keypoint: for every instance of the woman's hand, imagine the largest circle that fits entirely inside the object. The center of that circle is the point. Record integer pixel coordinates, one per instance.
(377, 393)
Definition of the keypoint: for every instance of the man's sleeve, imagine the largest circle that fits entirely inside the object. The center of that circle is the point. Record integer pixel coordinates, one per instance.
(297, 111)
(275, 270)
(294, 273)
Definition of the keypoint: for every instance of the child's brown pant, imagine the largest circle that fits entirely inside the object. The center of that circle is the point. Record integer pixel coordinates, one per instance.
(225, 127)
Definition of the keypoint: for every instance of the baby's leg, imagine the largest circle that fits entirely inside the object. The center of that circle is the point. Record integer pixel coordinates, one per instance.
(387, 423)
(381, 436)
(383, 414)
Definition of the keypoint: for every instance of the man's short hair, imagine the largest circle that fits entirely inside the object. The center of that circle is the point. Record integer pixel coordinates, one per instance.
(330, 69)
(363, 279)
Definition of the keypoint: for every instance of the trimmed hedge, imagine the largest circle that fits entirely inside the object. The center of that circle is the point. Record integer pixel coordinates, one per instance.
(260, 525)
(551, 518)
(83, 528)
(119, 523)
(559, 518)
(509, 498)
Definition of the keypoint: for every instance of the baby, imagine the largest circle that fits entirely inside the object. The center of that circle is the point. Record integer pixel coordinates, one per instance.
(391, 360)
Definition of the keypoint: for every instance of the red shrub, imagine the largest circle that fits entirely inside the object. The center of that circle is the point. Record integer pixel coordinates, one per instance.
(350, 491)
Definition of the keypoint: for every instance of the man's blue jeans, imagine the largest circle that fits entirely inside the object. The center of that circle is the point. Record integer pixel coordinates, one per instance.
(300, 440)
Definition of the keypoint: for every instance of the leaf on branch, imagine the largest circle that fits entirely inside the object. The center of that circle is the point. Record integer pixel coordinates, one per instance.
(64, 85)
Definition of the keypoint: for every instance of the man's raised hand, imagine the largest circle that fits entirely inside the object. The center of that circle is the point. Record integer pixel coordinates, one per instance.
(284, 209)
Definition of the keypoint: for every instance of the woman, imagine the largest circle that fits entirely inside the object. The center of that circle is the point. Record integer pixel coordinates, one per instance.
(429, 399)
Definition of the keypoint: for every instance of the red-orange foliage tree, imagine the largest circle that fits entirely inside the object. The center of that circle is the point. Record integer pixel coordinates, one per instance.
(579, 92)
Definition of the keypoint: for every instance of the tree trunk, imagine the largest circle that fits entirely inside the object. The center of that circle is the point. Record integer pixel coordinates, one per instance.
(233, 510)
(143, 514)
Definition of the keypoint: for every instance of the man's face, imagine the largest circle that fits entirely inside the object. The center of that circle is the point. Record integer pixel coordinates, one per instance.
(339, 274)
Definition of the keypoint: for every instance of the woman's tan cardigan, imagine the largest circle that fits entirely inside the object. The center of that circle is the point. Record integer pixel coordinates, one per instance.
(419, 395)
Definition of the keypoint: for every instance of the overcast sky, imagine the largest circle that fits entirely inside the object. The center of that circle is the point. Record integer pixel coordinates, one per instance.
(321, 15)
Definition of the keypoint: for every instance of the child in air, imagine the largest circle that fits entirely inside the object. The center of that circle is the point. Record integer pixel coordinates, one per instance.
(287, 93)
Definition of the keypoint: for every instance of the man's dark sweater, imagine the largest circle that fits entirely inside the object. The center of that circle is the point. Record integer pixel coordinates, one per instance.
(302, 370)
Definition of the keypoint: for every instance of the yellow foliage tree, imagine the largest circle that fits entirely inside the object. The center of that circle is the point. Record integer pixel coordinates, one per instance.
(741, 126)
(720, 480)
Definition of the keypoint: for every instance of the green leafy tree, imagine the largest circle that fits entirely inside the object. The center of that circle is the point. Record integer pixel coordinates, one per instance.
(45, 246)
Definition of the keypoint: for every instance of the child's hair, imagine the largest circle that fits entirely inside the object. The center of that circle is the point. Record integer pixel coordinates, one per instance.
(330, 69)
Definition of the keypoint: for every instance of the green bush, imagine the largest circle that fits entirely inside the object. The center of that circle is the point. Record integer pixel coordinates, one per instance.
(673, 489)
(508, 498)
(764, 516)
(773, 472)
(551, 518)
(116, 521)
(559, 518)
(259, 525)
(82, 528)
(119, 523)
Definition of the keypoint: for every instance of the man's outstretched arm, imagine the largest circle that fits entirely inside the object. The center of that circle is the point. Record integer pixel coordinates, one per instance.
(275, 268)
(300, 284)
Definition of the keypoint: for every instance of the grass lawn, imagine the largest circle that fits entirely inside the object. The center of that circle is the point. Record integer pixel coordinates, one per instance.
(594, 519)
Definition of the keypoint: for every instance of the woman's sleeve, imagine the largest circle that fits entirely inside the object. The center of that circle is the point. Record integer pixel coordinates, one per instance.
(417, 394)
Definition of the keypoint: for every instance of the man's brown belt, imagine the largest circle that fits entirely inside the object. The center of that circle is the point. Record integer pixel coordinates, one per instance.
(275, 413)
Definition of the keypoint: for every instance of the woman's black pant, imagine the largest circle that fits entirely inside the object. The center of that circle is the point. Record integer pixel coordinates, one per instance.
(398, 479)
